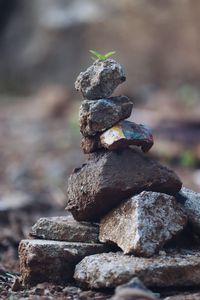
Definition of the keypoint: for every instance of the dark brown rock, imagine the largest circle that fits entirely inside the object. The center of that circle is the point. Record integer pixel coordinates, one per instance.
(90, 144)
(65, 229)
(100, 80)
(107, 178)
(52, 261)
(97, 116)
(126, 133)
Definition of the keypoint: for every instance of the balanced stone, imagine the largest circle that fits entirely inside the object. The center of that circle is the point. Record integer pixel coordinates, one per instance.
(127, 133)
(65, 229)
(176, 268)
(97, 116)
(190, 201)
(143, 224)
(108, 177)
(90, 144)
(133, 290)
(100, 79)
(52, 261)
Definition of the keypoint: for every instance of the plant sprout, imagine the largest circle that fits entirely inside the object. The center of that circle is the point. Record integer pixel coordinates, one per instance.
(101, 56)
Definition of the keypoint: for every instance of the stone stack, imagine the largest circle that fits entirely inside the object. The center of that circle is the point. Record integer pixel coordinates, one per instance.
(119, 197)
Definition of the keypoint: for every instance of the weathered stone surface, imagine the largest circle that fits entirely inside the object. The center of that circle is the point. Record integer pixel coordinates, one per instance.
(52, 261)
(108, 270)
(127, 133)
(65, 229)
(108, 177)
(97, 116)
(100, 79)
(143, 224)
(90, 144)
(190, 200)
(185, 296)
(133, 290)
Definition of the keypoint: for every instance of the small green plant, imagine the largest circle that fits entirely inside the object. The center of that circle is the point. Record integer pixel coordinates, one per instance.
(101, 56)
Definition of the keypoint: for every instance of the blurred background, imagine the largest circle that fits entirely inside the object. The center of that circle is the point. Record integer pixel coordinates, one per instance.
(44, 44)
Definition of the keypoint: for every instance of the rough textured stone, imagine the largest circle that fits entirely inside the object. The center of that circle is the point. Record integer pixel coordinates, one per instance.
(100, 79)
(52, 261)
(108, 270)
(127, 133)
(133, 290)
(143, 224)
(90, 144)
(185, 296)
(97, 116)
(109, 177)
(190, 200)
(65, 229)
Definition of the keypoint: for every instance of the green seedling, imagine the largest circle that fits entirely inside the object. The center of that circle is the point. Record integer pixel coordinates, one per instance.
(101, 56)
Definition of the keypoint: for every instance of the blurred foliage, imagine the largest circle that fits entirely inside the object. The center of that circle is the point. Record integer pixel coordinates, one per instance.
(189, 95)
(188, 159)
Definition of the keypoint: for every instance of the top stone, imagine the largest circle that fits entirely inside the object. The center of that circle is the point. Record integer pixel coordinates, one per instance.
(100, 79)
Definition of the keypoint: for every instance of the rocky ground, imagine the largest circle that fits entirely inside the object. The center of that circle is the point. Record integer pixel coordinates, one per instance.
(39, 148)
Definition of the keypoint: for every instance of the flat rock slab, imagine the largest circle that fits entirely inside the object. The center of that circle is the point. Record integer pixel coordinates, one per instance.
(185, 296)
(108, 270)
(97, 116)
(143, 224)
(190, 201)
(100, 80)
(127, 133)
(108, 177)
(52, 261)
(65, 229)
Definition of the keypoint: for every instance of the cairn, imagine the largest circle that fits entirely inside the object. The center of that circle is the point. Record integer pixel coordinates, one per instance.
(119, 196)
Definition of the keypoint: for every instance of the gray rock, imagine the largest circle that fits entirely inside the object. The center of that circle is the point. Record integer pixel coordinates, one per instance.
(126, 133)
(52, 261)
(100, 80)
(190, 201)
(65, 229)
(97, 116)
(143, 224)
(184, 296)
(133, 290)
(107, 178)
(108, 270)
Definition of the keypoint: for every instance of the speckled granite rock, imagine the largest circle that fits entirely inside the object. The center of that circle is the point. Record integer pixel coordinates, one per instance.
(100, 80)
(143, 224)
(108, 270)
(52, 261)
(133, 290)
(65, 229)
(97, 116)
(185, 296)
(126, 133)
(108, 177)
(190, 201)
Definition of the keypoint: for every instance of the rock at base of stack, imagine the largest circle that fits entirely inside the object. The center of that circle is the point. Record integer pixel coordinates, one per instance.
(108, 177)
(52, 260)
(65, 229)
(178, 268)
(143, 224)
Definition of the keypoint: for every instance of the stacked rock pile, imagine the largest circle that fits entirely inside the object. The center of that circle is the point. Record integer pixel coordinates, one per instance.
(122, 201)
